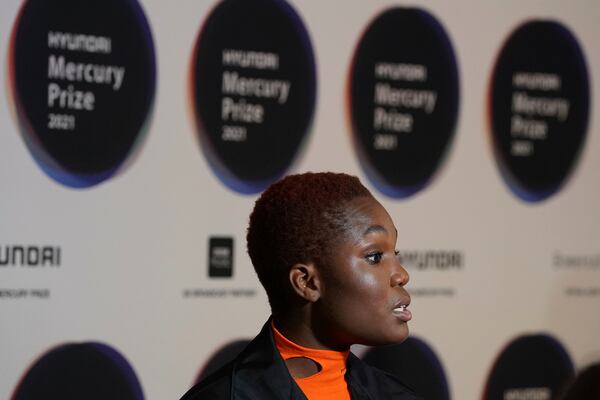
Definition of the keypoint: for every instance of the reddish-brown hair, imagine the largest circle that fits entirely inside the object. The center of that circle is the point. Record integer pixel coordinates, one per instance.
(298, 220)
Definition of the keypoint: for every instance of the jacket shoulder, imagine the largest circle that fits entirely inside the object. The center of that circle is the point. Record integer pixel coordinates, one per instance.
(378, 383)
(216, 386)
(394, 385)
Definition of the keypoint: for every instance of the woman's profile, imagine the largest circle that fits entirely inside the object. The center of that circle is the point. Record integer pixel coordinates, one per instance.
(325, 251)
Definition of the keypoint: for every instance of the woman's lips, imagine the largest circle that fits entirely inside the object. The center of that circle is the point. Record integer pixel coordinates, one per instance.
(402, 312)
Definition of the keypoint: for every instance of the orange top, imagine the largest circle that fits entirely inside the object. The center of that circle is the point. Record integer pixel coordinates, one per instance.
(329, 382)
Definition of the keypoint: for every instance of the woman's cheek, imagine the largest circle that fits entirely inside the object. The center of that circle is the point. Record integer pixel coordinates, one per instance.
(371, 288)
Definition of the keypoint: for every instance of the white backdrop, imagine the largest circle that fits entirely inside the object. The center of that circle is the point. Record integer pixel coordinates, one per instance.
(132, 245)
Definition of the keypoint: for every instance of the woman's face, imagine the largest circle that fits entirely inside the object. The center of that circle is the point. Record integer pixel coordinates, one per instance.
(363, 298)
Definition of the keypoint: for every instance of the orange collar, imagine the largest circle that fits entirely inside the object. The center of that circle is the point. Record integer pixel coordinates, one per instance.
(329, 382)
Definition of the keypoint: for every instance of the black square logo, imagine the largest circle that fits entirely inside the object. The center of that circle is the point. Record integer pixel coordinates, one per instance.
(220, 257)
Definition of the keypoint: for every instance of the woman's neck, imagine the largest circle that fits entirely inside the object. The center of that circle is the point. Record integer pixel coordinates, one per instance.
(300, 328)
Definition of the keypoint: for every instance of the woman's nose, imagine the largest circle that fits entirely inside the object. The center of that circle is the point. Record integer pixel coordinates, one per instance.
(399, 276)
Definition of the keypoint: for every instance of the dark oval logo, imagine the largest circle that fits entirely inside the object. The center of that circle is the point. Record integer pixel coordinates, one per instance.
(91, 371)
(403, 99)
(253, 90)
(83, 78)
(415, 363)
(529, 367)
(539, 108)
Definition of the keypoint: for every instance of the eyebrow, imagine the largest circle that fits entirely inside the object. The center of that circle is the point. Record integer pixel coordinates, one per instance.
(373, 229)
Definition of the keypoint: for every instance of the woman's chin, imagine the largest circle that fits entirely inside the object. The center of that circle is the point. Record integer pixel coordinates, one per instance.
(394, 336)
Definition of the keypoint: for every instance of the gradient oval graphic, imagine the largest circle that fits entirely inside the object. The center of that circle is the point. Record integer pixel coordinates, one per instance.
(91, 371)
(539, 108)
(83, 78)
(403, 99)
(529, 367)
(253, 88)
(414, 363)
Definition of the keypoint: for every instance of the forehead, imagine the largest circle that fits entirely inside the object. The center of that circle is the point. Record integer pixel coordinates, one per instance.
(366, 216)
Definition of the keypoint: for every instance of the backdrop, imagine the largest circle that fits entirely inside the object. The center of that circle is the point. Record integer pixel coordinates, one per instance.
(136, 136)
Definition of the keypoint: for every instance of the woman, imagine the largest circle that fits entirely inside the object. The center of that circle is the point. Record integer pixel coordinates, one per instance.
(324, 250)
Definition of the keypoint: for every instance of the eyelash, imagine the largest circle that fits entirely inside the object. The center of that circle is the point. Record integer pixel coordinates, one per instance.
(375, 257)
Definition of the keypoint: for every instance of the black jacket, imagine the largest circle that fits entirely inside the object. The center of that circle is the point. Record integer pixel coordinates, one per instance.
(259, 373)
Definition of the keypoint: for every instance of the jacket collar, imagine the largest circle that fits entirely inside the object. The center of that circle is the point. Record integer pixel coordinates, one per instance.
(261, 373)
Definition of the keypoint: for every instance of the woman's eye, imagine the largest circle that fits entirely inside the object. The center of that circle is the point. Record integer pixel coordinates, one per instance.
(374, 258)
(396, 253)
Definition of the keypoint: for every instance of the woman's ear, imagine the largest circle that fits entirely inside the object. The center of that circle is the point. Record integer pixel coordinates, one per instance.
(305, 281)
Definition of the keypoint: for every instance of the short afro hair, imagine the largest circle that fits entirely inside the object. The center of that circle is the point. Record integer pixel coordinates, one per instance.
(298, 220)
